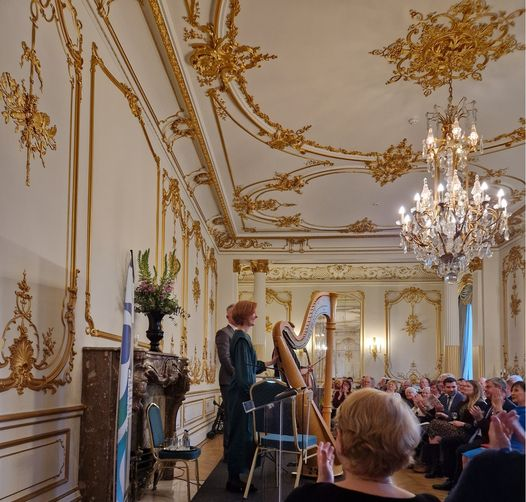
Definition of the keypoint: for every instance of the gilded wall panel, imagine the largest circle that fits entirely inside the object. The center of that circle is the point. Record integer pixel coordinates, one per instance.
(123, 198)
(513, 287)
(413, 332)
(40, 89)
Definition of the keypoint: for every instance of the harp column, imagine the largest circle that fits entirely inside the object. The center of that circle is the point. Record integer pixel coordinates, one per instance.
(260, 269)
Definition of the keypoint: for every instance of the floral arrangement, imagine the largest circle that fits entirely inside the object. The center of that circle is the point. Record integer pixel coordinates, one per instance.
(154, 293)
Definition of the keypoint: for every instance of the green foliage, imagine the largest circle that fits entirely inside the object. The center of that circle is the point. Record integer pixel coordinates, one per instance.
(154, 293)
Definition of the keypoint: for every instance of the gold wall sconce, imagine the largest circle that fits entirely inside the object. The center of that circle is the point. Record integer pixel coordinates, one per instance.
(374, 348)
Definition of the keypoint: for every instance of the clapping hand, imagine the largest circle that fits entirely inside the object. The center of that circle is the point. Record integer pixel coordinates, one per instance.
(501, 428)
(325, 458)
(476, 413)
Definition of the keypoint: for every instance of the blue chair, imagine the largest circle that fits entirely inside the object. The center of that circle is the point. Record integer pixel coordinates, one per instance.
(166, 458)
(270, 432)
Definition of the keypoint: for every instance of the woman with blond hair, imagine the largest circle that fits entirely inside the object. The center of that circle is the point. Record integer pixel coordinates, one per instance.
(376, 435)
(246, 366)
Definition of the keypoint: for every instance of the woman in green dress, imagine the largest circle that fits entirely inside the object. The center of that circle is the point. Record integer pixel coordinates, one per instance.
(246, 366)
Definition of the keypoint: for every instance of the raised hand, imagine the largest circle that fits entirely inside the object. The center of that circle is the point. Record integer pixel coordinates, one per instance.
(325, 458)
(476, 413)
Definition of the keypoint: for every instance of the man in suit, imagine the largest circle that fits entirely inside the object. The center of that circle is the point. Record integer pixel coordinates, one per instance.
(451, 399)
(226, 372)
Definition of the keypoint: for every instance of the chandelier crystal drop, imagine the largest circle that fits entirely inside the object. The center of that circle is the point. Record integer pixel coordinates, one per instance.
(452, 224)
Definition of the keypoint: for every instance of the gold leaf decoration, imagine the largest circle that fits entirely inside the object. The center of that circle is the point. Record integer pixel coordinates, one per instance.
(174, 127)
(21, 106)
(29, 351)
(196, 287)
(284, 182)
(393, 163)
(516, 136)
(225, 241)
(245, 205)
(515, 302)
(452, 45)
(282, 138)
(220, 58)
(365, 225)
(211, 303)
(413, 325)
(289, 221)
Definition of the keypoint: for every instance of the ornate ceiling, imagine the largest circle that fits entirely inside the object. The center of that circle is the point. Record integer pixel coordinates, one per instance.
(308, 116)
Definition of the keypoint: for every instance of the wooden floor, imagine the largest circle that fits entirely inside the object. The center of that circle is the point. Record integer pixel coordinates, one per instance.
(212, 451)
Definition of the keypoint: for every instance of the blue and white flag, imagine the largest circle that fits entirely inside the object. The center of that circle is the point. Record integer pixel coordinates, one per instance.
(125, 394)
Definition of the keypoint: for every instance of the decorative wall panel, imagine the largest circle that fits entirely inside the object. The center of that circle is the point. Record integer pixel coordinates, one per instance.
(45, 442)
(115, 121)
(413, 333)
(513, 305)
(39, 233)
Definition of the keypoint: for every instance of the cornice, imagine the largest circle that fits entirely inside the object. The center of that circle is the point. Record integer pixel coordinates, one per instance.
(340, 272)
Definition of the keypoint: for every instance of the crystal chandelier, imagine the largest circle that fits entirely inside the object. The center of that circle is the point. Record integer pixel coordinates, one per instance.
(447, 228)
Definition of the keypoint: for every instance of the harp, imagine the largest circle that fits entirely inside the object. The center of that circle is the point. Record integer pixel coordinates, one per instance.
(286, 341)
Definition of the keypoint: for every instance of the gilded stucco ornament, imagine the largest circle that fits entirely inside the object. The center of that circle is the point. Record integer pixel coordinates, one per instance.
(174, 127)
(37, 135)
(285, 182)
(365, 225)
(516, 136)
(393, 163)
(413, 325)
(196, 288)
(453, 45)
(289, 221)
(245, 204)
(220, 58)
(31, 350)
(514, 262)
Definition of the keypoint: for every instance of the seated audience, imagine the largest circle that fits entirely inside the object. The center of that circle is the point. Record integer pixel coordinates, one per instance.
(518, 398)
(495, 392)
(339, 395)
(427, 405)
(392, 388)
(498, 473)
(456, 432)
(367, 382)
(370, 452)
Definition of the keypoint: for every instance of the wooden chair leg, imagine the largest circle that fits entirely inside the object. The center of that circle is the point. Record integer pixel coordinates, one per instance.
(251, 473)
(187, 467)
(197, 473)
(298, 470)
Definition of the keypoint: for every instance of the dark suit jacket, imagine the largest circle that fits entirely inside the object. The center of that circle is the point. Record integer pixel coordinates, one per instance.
(458, 399)
(223, 337)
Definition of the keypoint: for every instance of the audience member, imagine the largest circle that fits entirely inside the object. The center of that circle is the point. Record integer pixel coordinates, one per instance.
(498, 473)
(367, 382)
(370, 452)
(339, 395)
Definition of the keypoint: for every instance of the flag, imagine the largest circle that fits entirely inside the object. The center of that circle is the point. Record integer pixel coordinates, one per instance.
(125, 394)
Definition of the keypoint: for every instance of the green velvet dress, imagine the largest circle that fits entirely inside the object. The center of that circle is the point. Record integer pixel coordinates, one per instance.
(241, 447)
